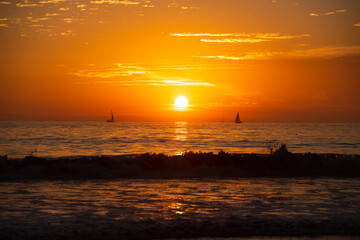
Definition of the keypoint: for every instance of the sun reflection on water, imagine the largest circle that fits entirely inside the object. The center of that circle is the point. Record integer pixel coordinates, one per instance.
(177, 208)
(181, 131)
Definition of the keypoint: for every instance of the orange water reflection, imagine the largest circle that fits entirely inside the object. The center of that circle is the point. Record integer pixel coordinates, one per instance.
(181, 131)
(164, 200)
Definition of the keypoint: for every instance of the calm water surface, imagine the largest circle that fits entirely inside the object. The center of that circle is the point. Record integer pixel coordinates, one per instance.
(55, 139)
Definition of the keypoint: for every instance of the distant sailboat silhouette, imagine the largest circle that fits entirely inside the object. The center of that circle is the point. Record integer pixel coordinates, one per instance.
(112, 117)
(237, 119)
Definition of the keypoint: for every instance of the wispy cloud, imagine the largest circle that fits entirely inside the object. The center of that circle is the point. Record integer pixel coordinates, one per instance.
(325, 52)
(239, 37)
(178, 5)
(51, 14)
(130, 75)
(27, 4)
(54, 13)
(220, 57)
(3, 22)
(153, 82)
(328, 13)
(115, 2)
(243, 56)
(52, 1)
(193, 66)
(124, 70)
(120, 70)
(273, 36)
(234, 40)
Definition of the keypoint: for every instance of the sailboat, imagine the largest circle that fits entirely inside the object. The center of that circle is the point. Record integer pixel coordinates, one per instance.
(237, 119)
(112, 118)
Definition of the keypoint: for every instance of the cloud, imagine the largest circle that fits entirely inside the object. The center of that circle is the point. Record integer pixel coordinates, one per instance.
(244, 56)
(193, 66)
(239, 37)
(27, 4)
(273, 36)
(125, 70)
(322, 53)
(221, 57)
(148, 6)
(178, 5)
(2, 24)
(120, 70)
(234, 40)
(115, 2)
(328, 13)
(56, 12)
(52, 1)
(51, 14)
(154, 82)
(327, 52)
(35, 20)
(131, 75)
(40, 3)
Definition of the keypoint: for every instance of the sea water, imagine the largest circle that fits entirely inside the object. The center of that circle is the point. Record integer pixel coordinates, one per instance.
(156, 209)
(55, 139)
(204, 208)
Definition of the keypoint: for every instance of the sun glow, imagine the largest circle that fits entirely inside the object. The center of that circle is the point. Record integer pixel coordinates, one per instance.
(181, 102)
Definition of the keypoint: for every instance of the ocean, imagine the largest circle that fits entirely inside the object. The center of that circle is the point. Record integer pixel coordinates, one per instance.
(151, 196)
(58, 139)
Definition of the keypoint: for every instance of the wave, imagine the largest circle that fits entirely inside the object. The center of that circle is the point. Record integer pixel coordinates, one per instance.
(280, 163)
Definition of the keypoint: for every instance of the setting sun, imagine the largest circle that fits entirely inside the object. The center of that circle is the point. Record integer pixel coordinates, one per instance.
(181, 102)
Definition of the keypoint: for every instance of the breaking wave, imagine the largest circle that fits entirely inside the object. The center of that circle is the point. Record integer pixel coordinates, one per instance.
(280, 163)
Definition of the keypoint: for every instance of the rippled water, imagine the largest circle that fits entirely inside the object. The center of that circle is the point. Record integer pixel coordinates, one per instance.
(188, 208)
(93, 138)
(18, 139)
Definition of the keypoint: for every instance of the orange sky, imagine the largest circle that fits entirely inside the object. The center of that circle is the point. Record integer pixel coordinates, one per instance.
(271, 60)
